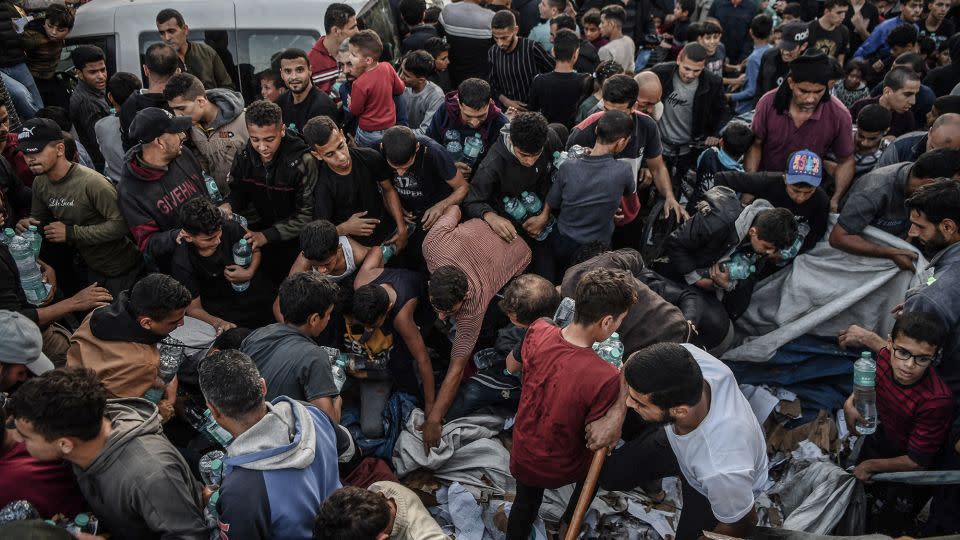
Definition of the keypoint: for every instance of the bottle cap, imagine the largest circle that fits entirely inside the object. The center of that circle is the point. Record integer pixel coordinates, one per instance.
(596, 346)
(615, 353)
(33, 228)
(82, 520)
(243, 242)
(866, 355)
(614, 336)
(506, 200)
(556, 154)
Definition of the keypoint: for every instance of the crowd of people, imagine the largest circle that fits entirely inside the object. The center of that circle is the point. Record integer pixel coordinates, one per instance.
(460, 226)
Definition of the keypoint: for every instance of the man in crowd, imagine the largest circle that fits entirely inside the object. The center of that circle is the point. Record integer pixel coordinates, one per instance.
(467, 25)
(775, 62)
(422, 96)
(828, 34)
(877, 199)
(468, 265)
(283, 458)
(466, 112)
(302, 100)
(88, 102)
(195, 57)
(219, 128)
(160, 64)
(109, 133)
(899, 95)
(587, 55)
(514, 62)
(944, 133)
(801, 115)
(876, 44)
(158, 177)
(130, 475)
(275, 175)
(339, 23)
(77, 206)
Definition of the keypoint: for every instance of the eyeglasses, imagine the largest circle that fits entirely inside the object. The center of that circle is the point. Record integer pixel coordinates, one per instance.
(902, 354)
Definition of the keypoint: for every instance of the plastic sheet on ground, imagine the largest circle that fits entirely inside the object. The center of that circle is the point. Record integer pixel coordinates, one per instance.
(815, 496)
(460, 515)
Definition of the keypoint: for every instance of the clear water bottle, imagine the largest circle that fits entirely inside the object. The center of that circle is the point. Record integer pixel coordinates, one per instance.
(171, 356)
(534, 206)
(240, 220)
(215, 430)
(212, 505)
(564, 314)
(388, 251)
(610, 350)
(740, 267)
(17, 511)
(242, 256)
(7, 236)
(471, 149)
(788, 253)
(576, 152)
(30, 278)
(211, 468)
(32, 234)
(514, 208)
(212, 188)
(155, 393)
(865, 393)
(559, 158)
(451, 140)
(339, 370)
(486, 358)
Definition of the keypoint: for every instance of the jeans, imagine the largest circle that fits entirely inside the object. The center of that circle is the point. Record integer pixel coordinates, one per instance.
(489, 387)
(368, 138)
(23, 90)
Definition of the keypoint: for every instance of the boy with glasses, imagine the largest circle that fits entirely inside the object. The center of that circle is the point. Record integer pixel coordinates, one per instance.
(914, 405)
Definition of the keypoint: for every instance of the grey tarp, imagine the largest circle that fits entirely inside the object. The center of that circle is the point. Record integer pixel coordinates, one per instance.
(816, 496)
(821, 293)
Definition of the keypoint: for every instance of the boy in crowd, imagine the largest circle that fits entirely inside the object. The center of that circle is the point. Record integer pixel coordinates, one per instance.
(619, 47)
(371, 98)
(275, 174)
(302, 101)
(289, 360)
(131, 477)
(760, 29)
(708, 35)
(219, 127)
(422, 96)
(43, 40)
(736, 139)
(385, 510)
(203, 262)
(88, 102)
(587, 56)
(914, 405)
(468, 111)
(439, 49)
(565, 384)
(412, 12)
(827, 32)
(588, 190)
(869, 141)
(324, 251)
(555, 94)
(271, 85)
(591, 21)
(77, 206)
(109, 135)
(900, 88)
(677, 25)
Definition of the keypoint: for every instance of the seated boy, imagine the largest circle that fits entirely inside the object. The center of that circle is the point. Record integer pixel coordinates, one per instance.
(735, 139)
(204, 263)
(565, 387)
(383, 510)
(914, 405)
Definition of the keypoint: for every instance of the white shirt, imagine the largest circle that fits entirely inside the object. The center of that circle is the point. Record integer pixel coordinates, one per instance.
(621, 51)
(725, 458)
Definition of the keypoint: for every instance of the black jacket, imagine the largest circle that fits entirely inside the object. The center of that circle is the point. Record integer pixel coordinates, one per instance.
(708, 103)
(11, 47)
(137, 102)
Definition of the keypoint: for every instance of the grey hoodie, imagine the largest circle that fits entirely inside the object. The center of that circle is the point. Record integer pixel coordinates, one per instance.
(219, 143)
(140, 487)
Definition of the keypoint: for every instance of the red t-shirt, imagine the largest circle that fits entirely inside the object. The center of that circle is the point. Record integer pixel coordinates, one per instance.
(565, 387)
(49, 486)
(371, 98)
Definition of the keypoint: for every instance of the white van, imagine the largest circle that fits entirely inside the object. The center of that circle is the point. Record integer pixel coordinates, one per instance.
(246, 33)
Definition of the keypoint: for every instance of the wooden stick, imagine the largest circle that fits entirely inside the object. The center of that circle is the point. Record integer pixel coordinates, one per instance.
(586, 494)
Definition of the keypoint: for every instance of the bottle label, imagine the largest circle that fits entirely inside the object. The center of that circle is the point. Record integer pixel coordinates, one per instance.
(864, 378)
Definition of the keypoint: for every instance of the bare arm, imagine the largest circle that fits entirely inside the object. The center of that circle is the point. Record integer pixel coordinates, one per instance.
(752, 160)
(448, 391)
(843, 177)
(739, 529)
(330, 405)
(404, 324)
(858, 245)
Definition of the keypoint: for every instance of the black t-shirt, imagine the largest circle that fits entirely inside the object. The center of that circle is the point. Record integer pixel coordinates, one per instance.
(941, 34)
(203, 277)
(773, 70)
(337, 197)
(317, 104)
(556, 96)
(871, 14)
(832, 43)
(425, 183)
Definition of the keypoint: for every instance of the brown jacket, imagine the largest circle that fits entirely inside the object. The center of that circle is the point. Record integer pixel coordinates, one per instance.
(43, 53)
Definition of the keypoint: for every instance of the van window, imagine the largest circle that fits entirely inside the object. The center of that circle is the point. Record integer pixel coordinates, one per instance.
(222, 41)
(378, 16)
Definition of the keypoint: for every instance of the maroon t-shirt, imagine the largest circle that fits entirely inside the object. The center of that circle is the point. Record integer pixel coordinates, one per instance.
(828, 130)
(49, 486)
(565, 387)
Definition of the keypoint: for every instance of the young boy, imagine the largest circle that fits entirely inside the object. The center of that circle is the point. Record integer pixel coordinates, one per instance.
(873, 123)
(439, 49)
(760, 28)
(914, 405)
(422, 97)
(708, 34)
(619, 47)
(853, 88)
(556, 94)
(203, 262)
(385, 510)
(676, 26)
(590, 22)
(271, 85)
(43, 41)
(565, 387)
(734, 142)
(371, 99)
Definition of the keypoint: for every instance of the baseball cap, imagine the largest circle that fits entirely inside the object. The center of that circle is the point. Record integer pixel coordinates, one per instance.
(153, 122)
(35, 134)
(22, 343)
(804, 167)
(793, 34)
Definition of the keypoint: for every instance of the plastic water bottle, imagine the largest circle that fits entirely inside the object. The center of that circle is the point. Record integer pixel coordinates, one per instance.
(534, 206)
(7, 236)
(388, 251)
(865, 393)
(17, 511)
(215, 430)
(471, 149)
(212, 505)
(242, 221)
(576, 152)
(211, 468)
(85, 523)
(30, 278)
(740, 267)
(212, 188)
(339, 370)
(788, 253)
(451, 140)
(242, 256)
(35, 238)
(564, 314)
(514, 208)
(610, 350)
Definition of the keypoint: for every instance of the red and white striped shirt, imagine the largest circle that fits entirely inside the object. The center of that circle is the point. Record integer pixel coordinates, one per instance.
(324, 68)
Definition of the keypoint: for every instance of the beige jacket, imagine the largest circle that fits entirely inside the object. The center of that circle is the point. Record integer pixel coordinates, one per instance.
(413, 522)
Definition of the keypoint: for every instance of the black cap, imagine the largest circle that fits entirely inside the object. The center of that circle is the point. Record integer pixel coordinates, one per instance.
(35, 134)
(793, 34)
(153, 122)
(814, 68)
